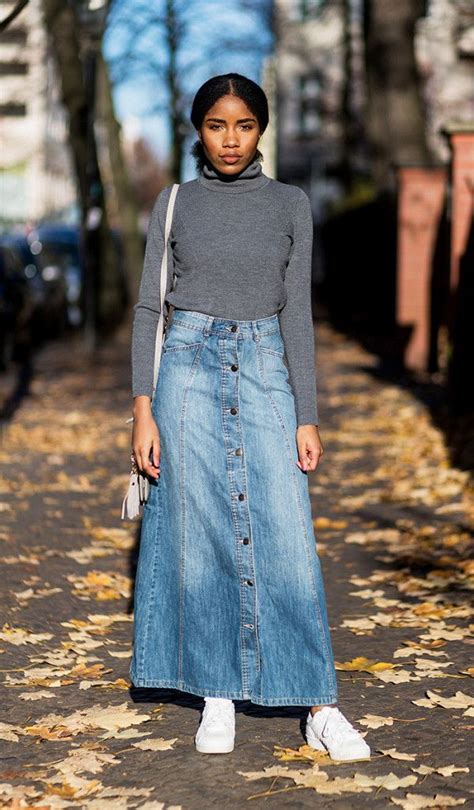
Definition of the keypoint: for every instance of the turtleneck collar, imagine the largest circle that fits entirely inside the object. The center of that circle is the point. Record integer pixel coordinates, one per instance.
(249, 179)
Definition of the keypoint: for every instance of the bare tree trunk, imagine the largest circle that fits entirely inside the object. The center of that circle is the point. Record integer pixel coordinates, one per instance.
(62, 28)
(176, 119)
(396, 119)
(102, 281)
(126, 204)
(346, 105)
(13, 14)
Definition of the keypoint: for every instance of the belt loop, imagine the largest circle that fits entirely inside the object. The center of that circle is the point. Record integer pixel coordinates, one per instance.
(168, 316)
(208, 324)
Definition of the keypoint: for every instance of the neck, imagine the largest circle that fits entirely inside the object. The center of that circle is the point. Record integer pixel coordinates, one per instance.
(250, 178)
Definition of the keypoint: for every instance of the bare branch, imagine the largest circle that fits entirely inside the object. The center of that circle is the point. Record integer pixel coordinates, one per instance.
(16, 10)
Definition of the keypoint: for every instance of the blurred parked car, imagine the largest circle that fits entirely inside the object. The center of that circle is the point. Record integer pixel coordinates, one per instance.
(57, 251)
(49, 317)
(17, 306)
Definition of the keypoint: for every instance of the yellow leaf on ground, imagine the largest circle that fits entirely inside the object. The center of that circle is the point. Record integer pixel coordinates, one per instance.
(327, 523)
(394, 754)
(319, 780)
(362, 664)
(445, 770)
(39, 695)
(399, 676)
(158, 744)
(19, 635)
(375, 721)
(414, 801)
(303, 753)
(458, 701)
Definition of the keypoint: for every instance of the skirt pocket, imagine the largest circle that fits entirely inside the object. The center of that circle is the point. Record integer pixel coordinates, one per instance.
(180, 338)
(271, 343)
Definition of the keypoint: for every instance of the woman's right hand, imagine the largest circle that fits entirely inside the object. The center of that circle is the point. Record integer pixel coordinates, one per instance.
(145, 437)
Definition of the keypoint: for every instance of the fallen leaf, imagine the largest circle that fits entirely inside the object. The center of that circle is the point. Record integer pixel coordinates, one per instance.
(327, 523)
(39, 695)
(19, 635)
(158, 744)
(109, 718)
(445, 770)
(375, 721)
(458, 701)
(304, 753)
(394, 754)
(414, 801)
(362, 664)
(398, 676)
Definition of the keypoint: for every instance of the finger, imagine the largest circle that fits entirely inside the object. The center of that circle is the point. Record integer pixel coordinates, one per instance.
(143, 462)
(315, 454)
(150, 470)
(318, 456)
(304, 461)
(156, 452)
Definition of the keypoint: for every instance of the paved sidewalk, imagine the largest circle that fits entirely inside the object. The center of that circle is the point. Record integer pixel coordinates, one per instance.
(392, 524)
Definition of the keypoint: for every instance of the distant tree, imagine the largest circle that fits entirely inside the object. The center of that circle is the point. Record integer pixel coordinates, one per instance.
(396, 116)
(65, 37)
(13, 14)
(147, 174)
(157, 44)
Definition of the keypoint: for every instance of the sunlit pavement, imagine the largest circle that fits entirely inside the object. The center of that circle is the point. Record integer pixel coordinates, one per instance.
(392, 525)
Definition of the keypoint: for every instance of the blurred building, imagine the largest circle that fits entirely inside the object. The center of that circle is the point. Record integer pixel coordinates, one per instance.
(36, 177)
(311, 72)
(268, 142)
(321, 85)
(445, 54)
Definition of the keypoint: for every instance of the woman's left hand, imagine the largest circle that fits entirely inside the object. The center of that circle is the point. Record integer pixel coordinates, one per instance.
(310, 448)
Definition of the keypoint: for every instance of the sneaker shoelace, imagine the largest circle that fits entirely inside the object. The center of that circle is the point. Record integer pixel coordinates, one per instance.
(215, 713)
(335, 723)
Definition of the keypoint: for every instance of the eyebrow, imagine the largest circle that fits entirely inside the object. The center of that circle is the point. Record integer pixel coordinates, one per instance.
(239, 121)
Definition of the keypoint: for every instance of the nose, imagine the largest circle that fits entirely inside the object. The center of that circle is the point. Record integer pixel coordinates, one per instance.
(231, 140)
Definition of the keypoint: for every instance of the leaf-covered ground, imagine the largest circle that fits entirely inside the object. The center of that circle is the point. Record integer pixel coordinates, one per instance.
(392, 517)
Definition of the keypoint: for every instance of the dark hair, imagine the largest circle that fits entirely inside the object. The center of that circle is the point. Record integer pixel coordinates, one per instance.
(229, 84)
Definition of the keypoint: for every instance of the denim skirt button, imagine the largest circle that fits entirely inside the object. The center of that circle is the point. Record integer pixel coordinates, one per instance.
(238, 451)
(233, 411)
(233, 328)
(241, 496)
(234, 367)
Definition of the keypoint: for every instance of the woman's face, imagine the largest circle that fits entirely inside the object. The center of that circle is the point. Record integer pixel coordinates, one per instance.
(229, 135)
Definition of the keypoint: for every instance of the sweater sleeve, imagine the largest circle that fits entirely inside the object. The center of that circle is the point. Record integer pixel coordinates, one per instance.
(147, 308)
(296, 320)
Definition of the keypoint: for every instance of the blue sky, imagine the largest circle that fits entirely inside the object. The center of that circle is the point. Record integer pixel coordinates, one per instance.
(201, 57)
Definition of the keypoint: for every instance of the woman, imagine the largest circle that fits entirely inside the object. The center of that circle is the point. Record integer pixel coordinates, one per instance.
(229, 600)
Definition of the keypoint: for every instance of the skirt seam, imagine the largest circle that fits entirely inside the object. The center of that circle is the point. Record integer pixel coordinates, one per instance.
(238, 694)
(187, 388)
(314, 592)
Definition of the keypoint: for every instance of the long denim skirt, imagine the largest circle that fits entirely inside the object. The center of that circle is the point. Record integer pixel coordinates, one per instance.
(229, 598)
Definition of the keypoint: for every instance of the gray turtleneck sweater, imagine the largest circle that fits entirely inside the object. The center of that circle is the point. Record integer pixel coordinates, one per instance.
(241, 248)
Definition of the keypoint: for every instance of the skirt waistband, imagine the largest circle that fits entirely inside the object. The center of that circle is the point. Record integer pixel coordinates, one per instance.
(211, 324)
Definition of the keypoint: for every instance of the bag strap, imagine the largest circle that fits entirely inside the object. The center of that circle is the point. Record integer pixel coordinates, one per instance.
(163, 284)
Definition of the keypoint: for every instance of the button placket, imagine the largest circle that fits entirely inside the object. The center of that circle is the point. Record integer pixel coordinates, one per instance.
(240, 512)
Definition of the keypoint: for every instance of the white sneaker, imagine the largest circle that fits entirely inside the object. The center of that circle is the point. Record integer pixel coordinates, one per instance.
(328, 730)
(216, 731)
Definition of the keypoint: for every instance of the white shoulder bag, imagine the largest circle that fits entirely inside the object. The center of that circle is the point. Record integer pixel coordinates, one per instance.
(139, 485)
